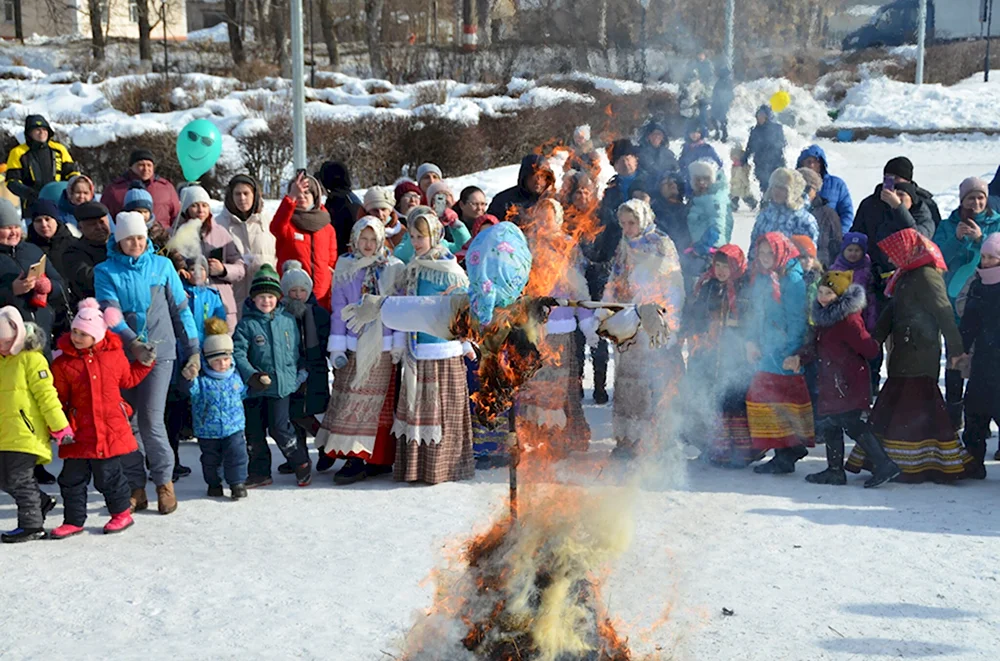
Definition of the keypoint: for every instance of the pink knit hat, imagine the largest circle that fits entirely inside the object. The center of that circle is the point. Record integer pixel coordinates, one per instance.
(973, 185)
(12, 328)
(92, 321)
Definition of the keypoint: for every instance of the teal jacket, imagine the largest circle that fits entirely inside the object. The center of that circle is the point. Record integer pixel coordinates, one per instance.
(268, 343)
(962, 255)
(460, 236)
(710, 217)
(778, 327)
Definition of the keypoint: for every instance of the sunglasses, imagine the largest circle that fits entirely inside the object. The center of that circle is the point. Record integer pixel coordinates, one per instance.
(206, 140)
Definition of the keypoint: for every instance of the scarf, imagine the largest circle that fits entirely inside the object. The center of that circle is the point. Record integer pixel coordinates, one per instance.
(784, 251)
(990, 276)
(909, 250)
(737, 268)
(499, 264)
(310, 220)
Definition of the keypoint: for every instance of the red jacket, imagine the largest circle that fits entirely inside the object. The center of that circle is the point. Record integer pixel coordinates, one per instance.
(843, 348)
(166, 204)
(90, 384)
(316, 250)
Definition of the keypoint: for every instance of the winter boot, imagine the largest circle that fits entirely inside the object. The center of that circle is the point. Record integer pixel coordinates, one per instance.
(286, 469)
(600, 378)
(238, 491)
(138, 501)
(884, 469)
(180, 471)
(65, 530)
(19, 535)
(43, 476)
(48, 504)
(734, 203)
(751, 202)
(977, 469)
(324, 462)
(834, 474)
(256, 481)
(118, 523)
(374, 470)
(166, 501)
(783, 461)
(216, 492)
(352, 471)
(303, 474)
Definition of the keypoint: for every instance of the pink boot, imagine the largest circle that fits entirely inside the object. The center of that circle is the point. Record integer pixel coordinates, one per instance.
(118, 523)
(65, 530)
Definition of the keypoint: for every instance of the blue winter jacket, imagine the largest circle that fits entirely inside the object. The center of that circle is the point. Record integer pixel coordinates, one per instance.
(151, 297)
(834, 189)
(216, 402)
(766, 146)
(778, 328)
(205, 302)
(779, 218)
(962, 256)
(710, 217)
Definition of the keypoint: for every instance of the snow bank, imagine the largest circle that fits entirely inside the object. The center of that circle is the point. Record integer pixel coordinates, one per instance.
(888, 103)
(804, 115)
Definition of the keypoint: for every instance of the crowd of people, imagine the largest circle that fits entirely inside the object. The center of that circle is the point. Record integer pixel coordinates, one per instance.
(134, 320)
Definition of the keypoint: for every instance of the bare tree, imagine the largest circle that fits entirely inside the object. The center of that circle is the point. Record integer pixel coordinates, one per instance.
(281, 23)
(97, 39)
(373, 34)
(145, 30)
(18, 22)
(234, 27)
(329, 28)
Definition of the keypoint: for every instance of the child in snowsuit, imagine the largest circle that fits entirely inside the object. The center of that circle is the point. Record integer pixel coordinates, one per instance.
(854, 258)
(709, 219)
(267, 353)
(842, 349)
(30, 417)
(217, 393)
(89, 375)
(739, 179)
(313, 394)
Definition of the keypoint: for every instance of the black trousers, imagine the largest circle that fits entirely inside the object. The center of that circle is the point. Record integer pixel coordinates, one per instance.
(17, 479)
(109, 479)
(265, 414)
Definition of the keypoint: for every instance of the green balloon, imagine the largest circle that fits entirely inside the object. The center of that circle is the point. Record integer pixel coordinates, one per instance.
(199, 146)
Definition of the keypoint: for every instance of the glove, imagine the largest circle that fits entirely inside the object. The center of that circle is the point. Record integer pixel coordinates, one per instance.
(63, 436)
(40, 294)
(193, 364)
(189, 372)
(259, 382)
(338, 359)
(144, 352)
(651, 315)
(621, 326)
(397, 354)
(450, 218)
(359, 315)
(301, 378)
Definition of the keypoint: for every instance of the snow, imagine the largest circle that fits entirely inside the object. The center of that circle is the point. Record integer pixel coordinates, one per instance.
(818, 573)
(882, 102)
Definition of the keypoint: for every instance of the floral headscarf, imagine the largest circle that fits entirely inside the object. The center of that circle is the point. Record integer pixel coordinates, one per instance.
(784, 251)
(499, 263)
(737, 268)
(909, 249)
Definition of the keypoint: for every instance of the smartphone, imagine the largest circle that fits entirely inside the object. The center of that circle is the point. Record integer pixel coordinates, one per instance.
(37, 269)
(216, 253)
(440, 204)
(889, 182)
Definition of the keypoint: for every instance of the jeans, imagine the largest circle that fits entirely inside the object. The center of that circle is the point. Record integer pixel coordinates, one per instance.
(149, 401)
(17, 479)
(109, 479)
(224, 456)
(269, 414)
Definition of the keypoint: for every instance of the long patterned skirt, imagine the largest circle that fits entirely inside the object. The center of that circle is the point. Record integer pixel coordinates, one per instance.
(549, 407)
(434, 440)
(358, 421)
(911, 420)
(779, 412)
(646, 382)
(732, 445)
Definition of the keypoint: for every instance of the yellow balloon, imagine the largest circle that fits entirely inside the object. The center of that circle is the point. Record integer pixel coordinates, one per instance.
(780, 101)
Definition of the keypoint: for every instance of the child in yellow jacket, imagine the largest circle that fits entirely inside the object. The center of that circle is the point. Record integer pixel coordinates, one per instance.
(30, 415)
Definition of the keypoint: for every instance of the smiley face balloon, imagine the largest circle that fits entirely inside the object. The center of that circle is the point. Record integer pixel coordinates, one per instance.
(199, 146)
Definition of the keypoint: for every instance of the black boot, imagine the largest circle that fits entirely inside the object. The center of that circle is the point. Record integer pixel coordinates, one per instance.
(43, 476)
(352, 471)
(884, 469)
(977, 470)
(834, 473)
(600, 357)
(19, 535)
(783, 462)
(324, 462)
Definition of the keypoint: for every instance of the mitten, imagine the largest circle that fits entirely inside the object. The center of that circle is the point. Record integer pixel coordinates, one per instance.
(189, 373)
(450, 218)
(301, 378)
(193, 364)
(358, 315)
(654, 322)
(63, 436)
(40, 294)
(144, 352)
(397, 354)
(338, 359)
(259, 382)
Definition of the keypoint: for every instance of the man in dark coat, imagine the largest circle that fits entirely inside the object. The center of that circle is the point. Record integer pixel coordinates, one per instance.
(341, 202)
(87, 252)
(766, 146)
(655, 157)
(534, 180)
(722, 101)
(142, 172)
(39, 161)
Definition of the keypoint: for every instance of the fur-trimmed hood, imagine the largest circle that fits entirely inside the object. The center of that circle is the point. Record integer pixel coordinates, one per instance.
(853, 301)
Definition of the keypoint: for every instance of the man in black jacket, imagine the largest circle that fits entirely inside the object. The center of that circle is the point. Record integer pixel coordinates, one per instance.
(534, 180)
(83, 255)
(39, 161)
(341, 202)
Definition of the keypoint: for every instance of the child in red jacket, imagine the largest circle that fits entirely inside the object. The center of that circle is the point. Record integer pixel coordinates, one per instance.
(842, 349)
(304, 233)
(89, 375)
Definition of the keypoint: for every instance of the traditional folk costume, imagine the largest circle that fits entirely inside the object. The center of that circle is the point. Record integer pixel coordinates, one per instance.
(779, 411)
(358, 421)
(718, 373)
(910, 416)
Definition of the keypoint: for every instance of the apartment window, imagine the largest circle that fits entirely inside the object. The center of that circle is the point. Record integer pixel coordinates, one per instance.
(8, 11)
(133, 11)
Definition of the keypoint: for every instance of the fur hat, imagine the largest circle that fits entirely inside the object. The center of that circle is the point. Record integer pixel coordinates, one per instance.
(428, 168)
(90, 320)
(217, 341)
(265, 281)
(838, 281)
(855, 239)
(9, 216)
(814, 180)
(294, 276)
(12, 328)
(805, 245)
(129, 223)
(901, 167)
(791, 181)
(621, 149)
(973, 185)
(379, 197)
(705, 169)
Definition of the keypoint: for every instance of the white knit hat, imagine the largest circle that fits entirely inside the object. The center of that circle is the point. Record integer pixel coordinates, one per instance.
(379, 197)
(706, 169)
(129, 223)
(192, 194)
(294, 276)
(428, 168)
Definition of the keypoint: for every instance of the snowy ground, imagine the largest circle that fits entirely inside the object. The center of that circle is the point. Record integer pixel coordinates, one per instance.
(340, 573)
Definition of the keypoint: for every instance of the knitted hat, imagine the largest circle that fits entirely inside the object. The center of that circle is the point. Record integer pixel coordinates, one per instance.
(855, 239)
(805, 245)
(12, 328)
(901, 167)
(129, 223)
(379, 197)
(838, 281)
(191, 195)
(428, 168)
(9, 216)
(140, 155)
(405, 187)
(44, 208)
(90, 211)
(973, 185)
(137, 198)
(90, 320)
(621, 149)
(991, 246)
(814, 180)
(266, 281)
(909, 188)
(198, 262)
(704, 169)
(294, 276)
(217, 341)
(438, 187)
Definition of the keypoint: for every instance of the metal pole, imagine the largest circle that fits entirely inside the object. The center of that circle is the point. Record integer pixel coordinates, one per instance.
(921, 38)
(730, 29)
(989, 29)
(312, 49)
(298, 90)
